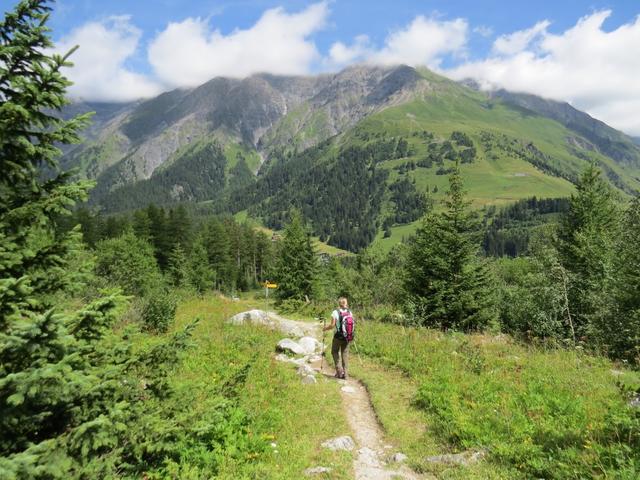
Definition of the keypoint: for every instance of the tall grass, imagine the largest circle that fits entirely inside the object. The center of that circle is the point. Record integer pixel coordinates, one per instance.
(545, 413)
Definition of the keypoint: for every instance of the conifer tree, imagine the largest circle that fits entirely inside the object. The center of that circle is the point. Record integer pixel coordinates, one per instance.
(296, 267)
(585, 244)
(201, 276)
(178, 268)
(71, 397)
(621, 328)
(446, 282)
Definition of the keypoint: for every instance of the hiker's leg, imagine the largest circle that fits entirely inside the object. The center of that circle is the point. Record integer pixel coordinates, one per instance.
(335, 348)
(345, 356)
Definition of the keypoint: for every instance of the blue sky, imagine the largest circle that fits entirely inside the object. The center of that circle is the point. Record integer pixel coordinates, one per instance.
(580, 51)
(348, 19)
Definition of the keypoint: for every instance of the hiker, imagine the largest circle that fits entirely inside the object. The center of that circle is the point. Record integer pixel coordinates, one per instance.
(342, 321)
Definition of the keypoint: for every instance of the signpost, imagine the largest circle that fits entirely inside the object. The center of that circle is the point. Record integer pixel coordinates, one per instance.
(268, 286)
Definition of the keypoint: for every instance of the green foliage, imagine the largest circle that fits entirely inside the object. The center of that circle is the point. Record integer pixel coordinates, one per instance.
(296, 266)
(159, 311)
(446, 283)
(128, 262)
(75, 400)
(620, 328)
(178, 268)
(553, 414)
(585, 246)
(533, 300)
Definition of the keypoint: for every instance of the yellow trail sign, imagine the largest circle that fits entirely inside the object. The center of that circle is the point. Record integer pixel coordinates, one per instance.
(271, 285)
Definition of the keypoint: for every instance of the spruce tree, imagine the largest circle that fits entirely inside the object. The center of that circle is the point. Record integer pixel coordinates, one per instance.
(585, 244)
(446, 282)
(296, 266)
(71, 397)
(178, 268)
(621, 328)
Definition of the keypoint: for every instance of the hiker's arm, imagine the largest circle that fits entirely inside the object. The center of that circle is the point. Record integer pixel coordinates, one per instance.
(331, 326)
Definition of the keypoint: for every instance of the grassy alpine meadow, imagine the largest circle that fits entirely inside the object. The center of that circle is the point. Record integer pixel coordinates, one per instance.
(273, 425)
(538, 413)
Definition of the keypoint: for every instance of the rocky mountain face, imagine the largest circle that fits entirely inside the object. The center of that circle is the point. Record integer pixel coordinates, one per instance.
(202, 143)
(130, 142)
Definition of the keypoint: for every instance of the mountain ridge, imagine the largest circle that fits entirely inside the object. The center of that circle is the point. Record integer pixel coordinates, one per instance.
(407, 123)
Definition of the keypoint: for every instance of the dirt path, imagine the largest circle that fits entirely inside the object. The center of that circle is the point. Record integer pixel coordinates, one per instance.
(372, 451)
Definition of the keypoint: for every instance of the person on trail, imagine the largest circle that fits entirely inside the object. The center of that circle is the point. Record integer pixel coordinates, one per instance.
(343, 323)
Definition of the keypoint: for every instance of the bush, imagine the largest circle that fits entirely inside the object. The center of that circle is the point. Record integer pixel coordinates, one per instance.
(128, 262)
(159, 311)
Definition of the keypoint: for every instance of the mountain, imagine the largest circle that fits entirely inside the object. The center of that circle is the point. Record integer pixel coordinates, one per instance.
(360, 152)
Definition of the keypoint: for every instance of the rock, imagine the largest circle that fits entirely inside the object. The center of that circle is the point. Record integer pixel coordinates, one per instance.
(252, 317)
(306, 370)
(635, 402)
(398, 457)
(288, 345)
(309, 379)
(339, 443)
(348, 389)
(316, 471)
(281, 357)
(314, 358)
(463, 458)
(310, 345)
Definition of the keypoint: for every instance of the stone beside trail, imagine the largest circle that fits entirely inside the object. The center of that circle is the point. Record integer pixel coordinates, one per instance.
(372, 456)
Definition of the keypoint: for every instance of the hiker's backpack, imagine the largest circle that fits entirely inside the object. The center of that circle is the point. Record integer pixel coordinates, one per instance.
(346, 325)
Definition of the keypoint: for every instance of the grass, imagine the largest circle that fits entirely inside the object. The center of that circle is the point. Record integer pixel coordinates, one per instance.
(294, 417)
(539, 413)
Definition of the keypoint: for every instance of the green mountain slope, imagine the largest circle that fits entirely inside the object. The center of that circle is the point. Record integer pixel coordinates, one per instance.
(362, 153)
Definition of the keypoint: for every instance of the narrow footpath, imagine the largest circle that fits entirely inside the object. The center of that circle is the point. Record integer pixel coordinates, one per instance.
(375, 459)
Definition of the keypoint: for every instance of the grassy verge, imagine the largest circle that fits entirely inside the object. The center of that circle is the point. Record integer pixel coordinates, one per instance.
(286, 419)
(539, 414)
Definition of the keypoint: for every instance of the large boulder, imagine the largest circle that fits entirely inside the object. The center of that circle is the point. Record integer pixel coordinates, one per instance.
(252, 317)
(290, 346)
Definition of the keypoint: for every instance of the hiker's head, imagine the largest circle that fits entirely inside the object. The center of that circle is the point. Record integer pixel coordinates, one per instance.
(343, 302)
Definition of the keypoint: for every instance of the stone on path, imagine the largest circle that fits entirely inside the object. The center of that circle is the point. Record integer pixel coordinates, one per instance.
(464, 458)
(309, 379)
(310, 345)
(398, 457)
(316, 471)
(339, 443)
(288, 345)
(348, 389)
(305, 369)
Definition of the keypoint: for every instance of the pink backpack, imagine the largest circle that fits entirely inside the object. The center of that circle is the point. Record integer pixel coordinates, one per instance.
(346, 325)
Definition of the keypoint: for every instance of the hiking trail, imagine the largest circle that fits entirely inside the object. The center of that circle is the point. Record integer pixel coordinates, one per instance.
(374, 457)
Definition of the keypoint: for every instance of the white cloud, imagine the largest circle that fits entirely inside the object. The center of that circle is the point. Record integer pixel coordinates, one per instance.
(593, 69)
(341, 54)
(518, 41)
(425, 41)
(99, 71)
(188, 53)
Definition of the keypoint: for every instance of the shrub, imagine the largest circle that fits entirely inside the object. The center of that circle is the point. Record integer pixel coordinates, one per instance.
(159, 311)
(128, 261)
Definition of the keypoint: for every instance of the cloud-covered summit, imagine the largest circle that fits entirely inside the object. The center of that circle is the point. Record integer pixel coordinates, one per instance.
(594, 69)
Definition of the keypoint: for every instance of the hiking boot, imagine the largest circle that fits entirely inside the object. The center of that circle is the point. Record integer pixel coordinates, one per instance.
(344, 375)
(339, 374)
